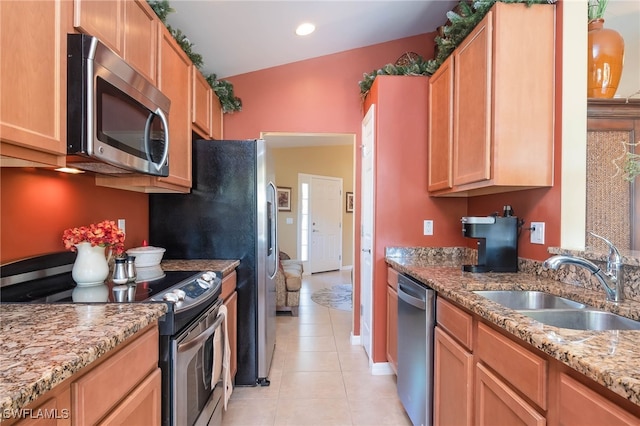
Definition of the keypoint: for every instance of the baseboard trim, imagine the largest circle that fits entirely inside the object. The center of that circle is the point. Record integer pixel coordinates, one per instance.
(355, 340)
(381, 369)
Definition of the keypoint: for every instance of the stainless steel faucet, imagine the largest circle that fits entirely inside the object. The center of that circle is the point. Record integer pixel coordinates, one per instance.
(612, 280)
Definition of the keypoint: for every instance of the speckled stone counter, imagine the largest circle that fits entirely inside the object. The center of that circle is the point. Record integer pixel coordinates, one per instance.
(611, 358)
(42, 345)
(224, 266)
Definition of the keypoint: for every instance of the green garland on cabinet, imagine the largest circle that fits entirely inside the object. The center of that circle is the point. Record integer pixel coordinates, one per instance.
(462, 20)
(223, 89)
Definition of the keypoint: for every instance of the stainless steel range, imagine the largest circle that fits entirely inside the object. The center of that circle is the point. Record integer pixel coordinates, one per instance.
(191, 332)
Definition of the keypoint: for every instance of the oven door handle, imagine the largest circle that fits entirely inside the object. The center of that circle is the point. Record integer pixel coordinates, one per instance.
(199, 340)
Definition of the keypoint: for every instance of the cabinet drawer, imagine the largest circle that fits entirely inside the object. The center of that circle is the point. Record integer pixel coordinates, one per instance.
(229, 285)
(456, 322)
(392, 278)
(526, 371)
(97, 392)
(576, 397)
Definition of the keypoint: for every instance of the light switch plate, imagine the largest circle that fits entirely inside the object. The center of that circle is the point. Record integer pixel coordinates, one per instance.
(289, 221)
(428, 227)
(537, 233)
(121, 225)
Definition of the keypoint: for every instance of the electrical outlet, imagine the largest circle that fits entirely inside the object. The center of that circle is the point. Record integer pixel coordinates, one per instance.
(537, 233)
(428, 227)
(121, 225)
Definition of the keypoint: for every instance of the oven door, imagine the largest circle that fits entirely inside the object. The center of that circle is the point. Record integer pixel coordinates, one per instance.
(197, 364)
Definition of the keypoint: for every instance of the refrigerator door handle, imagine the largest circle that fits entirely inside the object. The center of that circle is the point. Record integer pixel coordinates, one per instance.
(273, 254)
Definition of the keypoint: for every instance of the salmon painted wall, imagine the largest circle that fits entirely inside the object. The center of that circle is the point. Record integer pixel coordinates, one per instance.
(37, 205)
(402, 201)
(316, 95)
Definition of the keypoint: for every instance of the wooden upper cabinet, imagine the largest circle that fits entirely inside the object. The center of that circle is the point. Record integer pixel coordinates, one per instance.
(128, 27)
(216, 117)
(472, 106)
(174, 80)
(441, 127)
(141, 38)
(503, 105)
(33, 82)
(103, 19)
(201, 103)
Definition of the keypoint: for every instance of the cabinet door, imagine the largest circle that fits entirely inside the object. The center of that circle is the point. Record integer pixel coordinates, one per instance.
(575, 397)
(141, 38)
(174, 79)
(54, 411)
(453, 382)
(232, 329)
(441, 127)
(497, 404)
(217, 117)
(201, 103)
(103, 19)
(392, 327)
(141, 406)
(472, 106)
(33, 81)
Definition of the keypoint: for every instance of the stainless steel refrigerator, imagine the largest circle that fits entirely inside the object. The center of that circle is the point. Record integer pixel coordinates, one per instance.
(231, 213)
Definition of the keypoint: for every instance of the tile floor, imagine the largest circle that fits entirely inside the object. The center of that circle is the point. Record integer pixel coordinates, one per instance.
(317, 376)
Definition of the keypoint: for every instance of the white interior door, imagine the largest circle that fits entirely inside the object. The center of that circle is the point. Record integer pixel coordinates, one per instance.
(325, 227)
(367, 234)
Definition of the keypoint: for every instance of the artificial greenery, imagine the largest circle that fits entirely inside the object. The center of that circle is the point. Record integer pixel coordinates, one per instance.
(462, 20)
(187, 46)
(596, 9)
(223, 89)
(161, 8)
(631, 167)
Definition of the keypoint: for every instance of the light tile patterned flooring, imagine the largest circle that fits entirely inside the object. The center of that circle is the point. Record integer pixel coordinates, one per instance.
(317, 376)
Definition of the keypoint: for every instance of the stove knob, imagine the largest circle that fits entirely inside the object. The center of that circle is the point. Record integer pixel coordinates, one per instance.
(202, 283)
(170, 297)
(208, 276)
(180, 293)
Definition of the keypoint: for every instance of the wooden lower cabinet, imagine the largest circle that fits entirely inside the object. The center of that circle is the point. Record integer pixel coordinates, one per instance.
(124, 388)
(230, 298)
(574, 397)
(498, 404)
(484, 376)
(453, 382)
(392, 318)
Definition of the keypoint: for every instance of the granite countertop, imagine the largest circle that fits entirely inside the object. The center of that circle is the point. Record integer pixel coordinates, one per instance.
(608, 357)
(42, 345)
(224, 266)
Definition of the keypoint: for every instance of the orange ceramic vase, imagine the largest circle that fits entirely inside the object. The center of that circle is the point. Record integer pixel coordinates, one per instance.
(606, 56)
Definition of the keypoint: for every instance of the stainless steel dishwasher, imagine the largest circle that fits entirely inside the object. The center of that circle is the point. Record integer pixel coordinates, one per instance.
(416, 323)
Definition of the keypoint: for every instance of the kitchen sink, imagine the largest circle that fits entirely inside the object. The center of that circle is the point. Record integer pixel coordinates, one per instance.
(582, 319)
(521, 300)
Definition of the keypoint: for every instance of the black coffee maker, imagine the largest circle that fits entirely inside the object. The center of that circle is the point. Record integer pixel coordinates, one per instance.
(497, 241)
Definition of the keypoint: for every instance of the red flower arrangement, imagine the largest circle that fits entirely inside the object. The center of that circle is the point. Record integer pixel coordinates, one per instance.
(104, 234)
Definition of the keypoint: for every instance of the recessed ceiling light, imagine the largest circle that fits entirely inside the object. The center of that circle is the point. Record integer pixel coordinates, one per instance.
(305, 29)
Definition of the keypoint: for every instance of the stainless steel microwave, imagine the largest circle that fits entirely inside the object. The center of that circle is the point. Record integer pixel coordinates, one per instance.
(117, 121)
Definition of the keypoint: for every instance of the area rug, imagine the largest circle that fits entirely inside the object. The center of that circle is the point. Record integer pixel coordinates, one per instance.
(336, 297)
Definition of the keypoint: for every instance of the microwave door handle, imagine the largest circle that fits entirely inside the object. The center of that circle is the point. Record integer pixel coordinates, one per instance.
(147, 134)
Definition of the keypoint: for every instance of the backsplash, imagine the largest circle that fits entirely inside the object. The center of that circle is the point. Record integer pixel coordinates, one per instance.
(569, 274)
